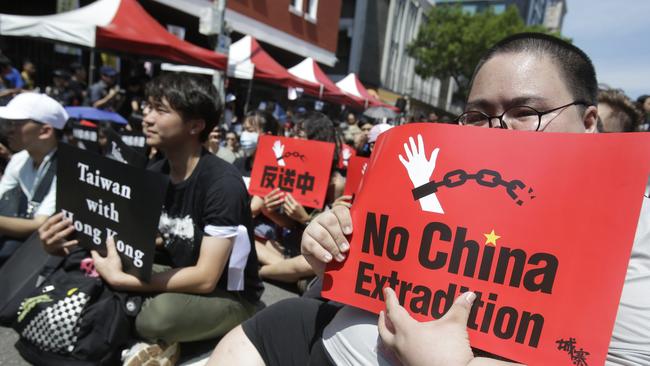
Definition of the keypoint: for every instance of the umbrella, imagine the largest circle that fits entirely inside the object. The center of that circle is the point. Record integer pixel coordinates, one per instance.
(94, 114)
(379, 112)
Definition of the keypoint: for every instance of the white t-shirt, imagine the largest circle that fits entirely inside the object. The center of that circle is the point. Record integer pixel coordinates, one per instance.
(352, 338)
(630, 344)
(20, 171)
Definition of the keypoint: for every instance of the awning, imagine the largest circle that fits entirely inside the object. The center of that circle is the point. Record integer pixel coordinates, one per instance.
(308, 70)
(351, 85)
(247, 59)
(119, 25)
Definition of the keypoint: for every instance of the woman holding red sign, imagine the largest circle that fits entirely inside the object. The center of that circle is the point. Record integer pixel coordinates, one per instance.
(529, 72)
(280, 258)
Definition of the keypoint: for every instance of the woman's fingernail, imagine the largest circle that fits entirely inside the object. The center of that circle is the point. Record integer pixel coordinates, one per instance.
(347, 230)
(469, 297)
(340, 257)
(327, 257)
(344, 247)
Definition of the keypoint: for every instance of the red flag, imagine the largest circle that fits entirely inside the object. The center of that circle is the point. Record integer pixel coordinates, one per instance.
(300, 167)
(539, 225)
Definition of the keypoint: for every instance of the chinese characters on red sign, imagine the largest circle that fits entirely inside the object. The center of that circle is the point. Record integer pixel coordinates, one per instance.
(296, 166)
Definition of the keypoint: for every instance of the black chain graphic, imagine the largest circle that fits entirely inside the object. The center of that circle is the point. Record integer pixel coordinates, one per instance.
(516, 189)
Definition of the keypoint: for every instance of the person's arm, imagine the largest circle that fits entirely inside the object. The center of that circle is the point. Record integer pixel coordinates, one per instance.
(257, 203)
(201, 278)
(98, 101)
(18, 227)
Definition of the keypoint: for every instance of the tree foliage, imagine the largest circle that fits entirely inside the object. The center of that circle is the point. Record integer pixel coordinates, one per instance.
(450, 41)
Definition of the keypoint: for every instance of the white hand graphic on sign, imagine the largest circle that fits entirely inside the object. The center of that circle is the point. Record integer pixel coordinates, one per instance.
(419, 169)
(278, 149)
(346, 156)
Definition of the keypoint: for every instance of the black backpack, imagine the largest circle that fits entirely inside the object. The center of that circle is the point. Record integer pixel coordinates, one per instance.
(75, 319)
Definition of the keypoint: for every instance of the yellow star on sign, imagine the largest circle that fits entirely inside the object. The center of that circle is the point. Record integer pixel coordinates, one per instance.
(491, 238)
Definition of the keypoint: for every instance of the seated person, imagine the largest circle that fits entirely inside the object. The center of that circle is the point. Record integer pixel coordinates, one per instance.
(28, 186)
(256, 124)
(280, 258)
(531, 69)
(206, 280)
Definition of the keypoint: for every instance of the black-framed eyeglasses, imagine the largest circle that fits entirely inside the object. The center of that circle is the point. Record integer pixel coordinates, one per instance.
(520, 117)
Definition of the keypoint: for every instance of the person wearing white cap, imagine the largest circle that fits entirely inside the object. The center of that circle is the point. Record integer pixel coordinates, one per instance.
(35, 124)
(377, 130)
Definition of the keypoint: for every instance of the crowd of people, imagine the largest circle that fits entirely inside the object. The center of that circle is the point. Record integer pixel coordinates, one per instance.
(207, 151)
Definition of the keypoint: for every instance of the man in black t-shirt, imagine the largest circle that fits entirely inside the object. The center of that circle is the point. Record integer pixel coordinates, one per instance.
(206, 268)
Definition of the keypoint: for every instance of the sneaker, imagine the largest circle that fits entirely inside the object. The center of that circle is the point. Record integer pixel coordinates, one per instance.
(168, 357)
(140, 353)
(148, 354)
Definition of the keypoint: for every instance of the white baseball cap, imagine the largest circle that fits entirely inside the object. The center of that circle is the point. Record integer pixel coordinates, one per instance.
(377, 130)
(37, 107)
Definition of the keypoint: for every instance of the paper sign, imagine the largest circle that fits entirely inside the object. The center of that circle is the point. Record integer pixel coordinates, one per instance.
(85, 133)
(356, 170)
(300, 167)
(104, 197)
(539, 225)
(125, 147)
(345, 154)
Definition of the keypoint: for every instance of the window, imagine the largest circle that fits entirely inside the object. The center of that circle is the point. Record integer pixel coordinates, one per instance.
(296, 7)
(499, 8)
(470, 9)
(312, 10)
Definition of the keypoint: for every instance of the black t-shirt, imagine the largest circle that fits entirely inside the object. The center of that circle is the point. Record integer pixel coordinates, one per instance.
(213, 195)
(244, 165)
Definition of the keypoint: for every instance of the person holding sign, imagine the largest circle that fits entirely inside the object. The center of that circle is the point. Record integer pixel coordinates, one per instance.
(206, 280)
(524, 72)
(28, 187)
(289, 216)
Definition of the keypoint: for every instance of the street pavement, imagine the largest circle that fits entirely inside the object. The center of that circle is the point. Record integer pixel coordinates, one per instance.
(10, 357)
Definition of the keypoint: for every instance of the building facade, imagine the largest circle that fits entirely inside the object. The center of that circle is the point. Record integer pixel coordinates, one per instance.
(373, 37)
(301, 27)
(554, 17)
(532, 12)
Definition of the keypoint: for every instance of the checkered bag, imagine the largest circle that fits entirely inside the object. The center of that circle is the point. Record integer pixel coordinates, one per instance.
(73, 319)
(56, 327)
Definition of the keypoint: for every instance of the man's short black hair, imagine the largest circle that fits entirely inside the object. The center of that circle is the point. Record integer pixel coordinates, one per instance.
(319, 127)
(575, 66)
(191, 96)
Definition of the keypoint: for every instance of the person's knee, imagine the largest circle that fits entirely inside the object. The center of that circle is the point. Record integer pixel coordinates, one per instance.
(235, 349)
(158, 317)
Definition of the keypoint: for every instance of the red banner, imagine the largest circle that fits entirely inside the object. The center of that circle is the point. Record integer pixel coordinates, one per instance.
(300, 167)
(539, 225)
(356, 168)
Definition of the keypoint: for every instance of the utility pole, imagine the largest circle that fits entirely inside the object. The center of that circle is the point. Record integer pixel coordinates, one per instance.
(213, 24)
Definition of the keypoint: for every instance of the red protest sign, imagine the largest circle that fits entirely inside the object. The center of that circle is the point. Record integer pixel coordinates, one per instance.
(356, 168)
(538, 225)
(345, 154)
(300, 167)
